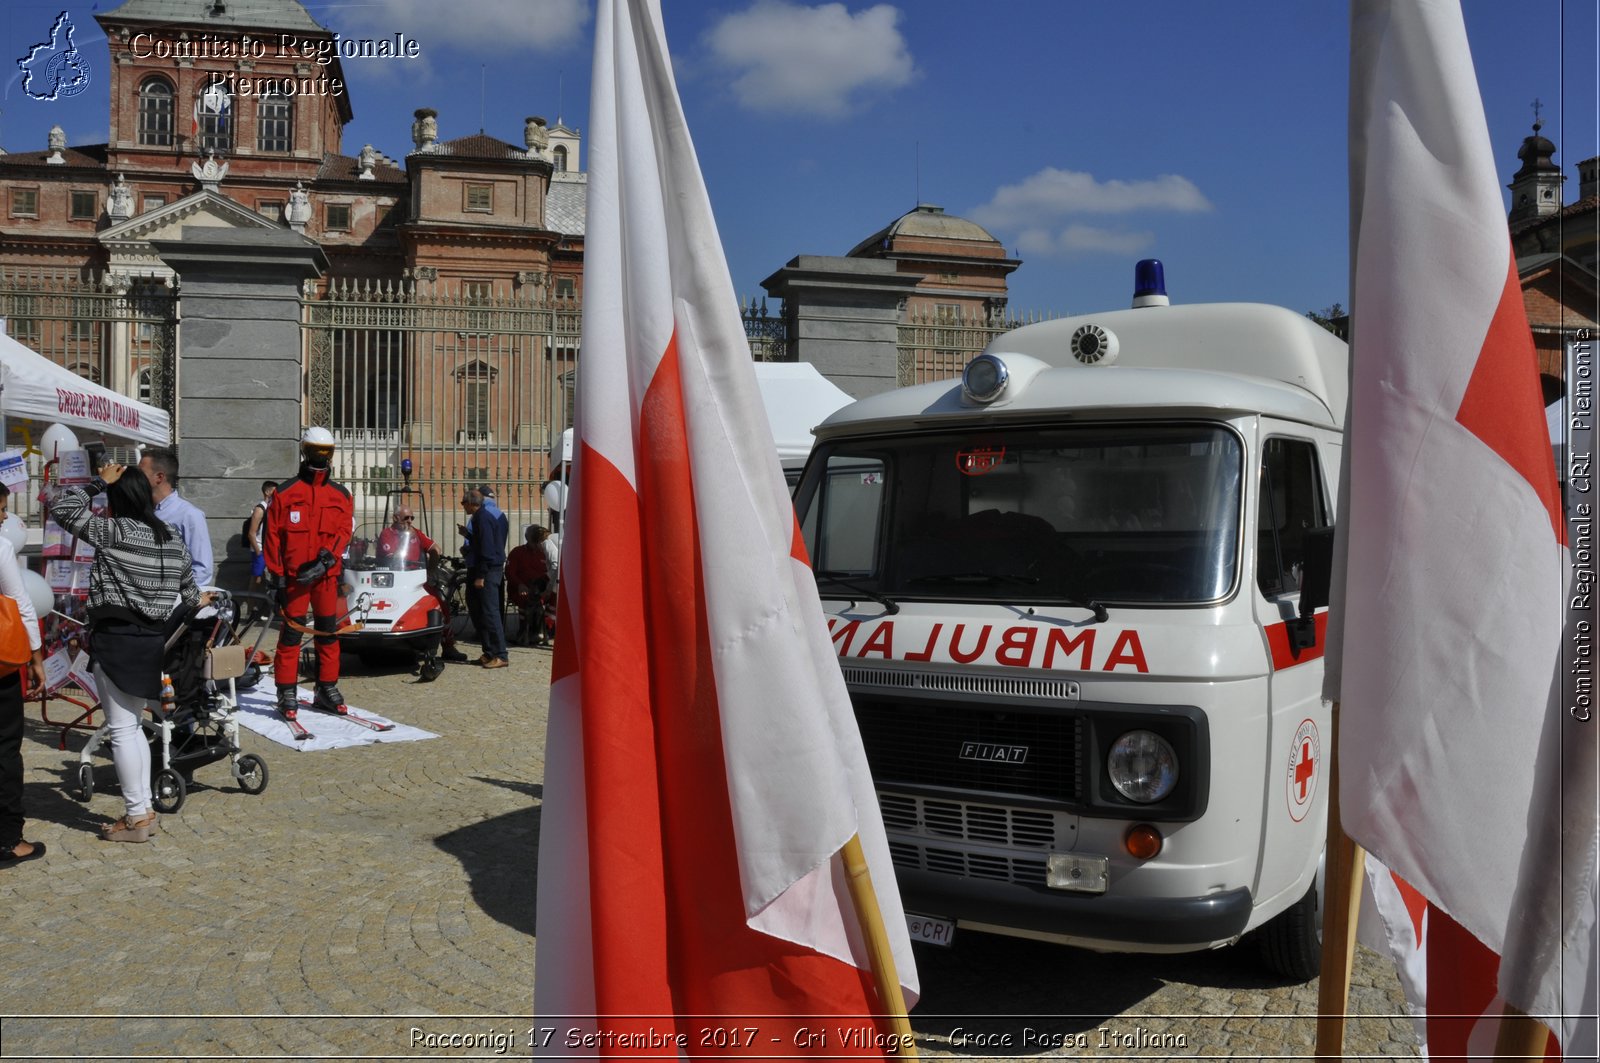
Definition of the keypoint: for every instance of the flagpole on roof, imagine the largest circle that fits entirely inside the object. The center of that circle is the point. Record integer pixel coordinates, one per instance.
(879, 952)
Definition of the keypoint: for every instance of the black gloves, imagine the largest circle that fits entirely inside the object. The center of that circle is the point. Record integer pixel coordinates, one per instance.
(312, 571)
(277, 592)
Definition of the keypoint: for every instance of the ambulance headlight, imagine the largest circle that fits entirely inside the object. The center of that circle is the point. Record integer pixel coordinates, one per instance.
(1143, 766)
(984, 378)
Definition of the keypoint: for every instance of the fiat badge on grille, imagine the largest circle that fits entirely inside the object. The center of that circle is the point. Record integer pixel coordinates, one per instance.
(994, 753)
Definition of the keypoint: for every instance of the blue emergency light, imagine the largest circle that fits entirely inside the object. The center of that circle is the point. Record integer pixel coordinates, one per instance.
(1149, 283)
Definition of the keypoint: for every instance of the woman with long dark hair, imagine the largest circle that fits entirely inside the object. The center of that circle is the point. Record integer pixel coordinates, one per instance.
(140, 575)
(13, 847)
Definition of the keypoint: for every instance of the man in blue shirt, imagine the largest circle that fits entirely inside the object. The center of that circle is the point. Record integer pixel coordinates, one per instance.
(486, 568)
(160, 467)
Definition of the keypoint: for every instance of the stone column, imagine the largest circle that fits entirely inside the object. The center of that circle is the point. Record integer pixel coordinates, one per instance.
(844, 317)
(239, 372)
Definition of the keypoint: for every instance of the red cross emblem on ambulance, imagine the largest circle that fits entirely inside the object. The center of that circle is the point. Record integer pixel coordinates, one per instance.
(1304, 768)
(979, 460)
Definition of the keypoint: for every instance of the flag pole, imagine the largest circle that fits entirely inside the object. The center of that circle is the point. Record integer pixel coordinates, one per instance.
(879, 953)
(1341, 905)
(1521, 1037)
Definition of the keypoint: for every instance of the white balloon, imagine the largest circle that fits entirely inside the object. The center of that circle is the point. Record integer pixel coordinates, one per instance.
(39, 592)
(555, 496)
(57, 440)
(15, 529)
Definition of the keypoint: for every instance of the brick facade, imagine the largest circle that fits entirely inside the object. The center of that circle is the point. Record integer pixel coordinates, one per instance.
(376, 218)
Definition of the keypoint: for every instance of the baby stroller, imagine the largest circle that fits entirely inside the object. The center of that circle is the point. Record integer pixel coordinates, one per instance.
(206, 665)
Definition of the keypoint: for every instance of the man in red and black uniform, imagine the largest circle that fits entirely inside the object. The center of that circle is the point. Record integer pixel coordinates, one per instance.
(308, 527)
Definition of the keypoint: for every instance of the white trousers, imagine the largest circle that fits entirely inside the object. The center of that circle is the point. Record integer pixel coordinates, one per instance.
(129, 750)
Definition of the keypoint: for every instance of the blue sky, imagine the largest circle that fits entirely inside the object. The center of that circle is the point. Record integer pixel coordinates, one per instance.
(1083, 135)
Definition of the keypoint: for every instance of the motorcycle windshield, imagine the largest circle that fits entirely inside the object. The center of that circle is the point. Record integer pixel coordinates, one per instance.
(400, 550)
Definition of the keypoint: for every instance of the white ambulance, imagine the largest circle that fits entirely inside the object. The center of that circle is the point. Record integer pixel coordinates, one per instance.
(1065, 593)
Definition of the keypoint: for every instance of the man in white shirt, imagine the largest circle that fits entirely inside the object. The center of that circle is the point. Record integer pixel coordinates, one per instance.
(160, 467)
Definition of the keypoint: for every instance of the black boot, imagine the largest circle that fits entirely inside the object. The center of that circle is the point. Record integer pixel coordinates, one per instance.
(329, 699)
(288, 702)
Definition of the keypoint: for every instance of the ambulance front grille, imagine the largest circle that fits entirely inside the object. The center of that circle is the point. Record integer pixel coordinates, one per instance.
(961, 683)
(994, 867)
(977, 748)
(960, 820)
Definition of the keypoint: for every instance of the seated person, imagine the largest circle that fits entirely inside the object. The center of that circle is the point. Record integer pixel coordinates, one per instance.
(403, 546)
(530, 583)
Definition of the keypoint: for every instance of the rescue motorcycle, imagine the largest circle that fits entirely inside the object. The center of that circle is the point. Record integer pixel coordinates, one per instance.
(401, 603)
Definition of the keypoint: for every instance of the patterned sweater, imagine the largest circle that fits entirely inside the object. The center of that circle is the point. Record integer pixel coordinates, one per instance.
(133, 575)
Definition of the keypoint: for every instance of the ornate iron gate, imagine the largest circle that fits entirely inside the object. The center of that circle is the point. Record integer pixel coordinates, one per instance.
(473, 389)
(937, 346)
(120, 332)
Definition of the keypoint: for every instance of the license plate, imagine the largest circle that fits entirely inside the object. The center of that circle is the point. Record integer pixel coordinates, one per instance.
(932, 929)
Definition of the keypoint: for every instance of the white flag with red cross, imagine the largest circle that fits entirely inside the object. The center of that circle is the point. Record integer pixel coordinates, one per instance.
(1448, 605)
(703, 767)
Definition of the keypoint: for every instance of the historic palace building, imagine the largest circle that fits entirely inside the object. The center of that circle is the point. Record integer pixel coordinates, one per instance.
(442, 322)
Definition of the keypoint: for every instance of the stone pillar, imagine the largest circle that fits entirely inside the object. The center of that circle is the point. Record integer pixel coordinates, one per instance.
(844, 317)
(239, 372)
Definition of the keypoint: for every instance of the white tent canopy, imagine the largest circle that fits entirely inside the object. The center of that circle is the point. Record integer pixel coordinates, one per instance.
(34, 388)
(797, 398)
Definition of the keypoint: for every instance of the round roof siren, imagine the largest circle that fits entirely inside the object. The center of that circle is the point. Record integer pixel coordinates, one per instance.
(1093, 345)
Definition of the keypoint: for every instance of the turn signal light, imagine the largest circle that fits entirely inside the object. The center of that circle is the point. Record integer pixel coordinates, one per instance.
(1143, 842)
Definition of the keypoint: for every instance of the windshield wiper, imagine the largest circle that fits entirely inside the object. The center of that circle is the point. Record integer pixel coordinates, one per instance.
(890, 606)
(1099, 610)
(1100, 613)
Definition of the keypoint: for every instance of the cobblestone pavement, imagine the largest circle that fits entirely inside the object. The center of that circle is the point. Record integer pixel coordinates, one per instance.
(374, 900)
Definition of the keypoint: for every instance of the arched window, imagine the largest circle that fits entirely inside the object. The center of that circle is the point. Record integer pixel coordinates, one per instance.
(560, 154)
(144, 386)
(155, 112)
(216, 119)
(274, 122)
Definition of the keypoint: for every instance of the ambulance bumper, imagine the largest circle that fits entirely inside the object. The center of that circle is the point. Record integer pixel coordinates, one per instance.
(1149, 921)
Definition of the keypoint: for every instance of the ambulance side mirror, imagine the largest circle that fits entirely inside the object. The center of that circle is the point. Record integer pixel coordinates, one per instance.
(1316, 577)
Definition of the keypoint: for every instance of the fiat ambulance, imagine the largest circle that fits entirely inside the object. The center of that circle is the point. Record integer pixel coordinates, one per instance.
(1066, 595)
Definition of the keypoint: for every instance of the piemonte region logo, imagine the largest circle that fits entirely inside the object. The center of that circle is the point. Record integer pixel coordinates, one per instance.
(54, 69)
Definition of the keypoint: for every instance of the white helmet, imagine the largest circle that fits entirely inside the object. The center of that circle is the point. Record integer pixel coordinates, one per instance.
(316, 447)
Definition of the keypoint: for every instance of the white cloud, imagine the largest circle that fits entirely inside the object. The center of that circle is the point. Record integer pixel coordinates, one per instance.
(1051, 194)
(792, 58)
(488, 25)
(1082, 239)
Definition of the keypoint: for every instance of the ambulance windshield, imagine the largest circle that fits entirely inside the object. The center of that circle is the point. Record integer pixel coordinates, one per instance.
(1126, 513)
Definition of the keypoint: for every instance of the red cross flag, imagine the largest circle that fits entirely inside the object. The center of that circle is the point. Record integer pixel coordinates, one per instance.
(1448, 599)
(703, 767)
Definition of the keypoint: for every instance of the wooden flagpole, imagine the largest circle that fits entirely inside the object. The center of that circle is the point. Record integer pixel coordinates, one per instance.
(879, 952)
(1341, 905)
(1521, 1037)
